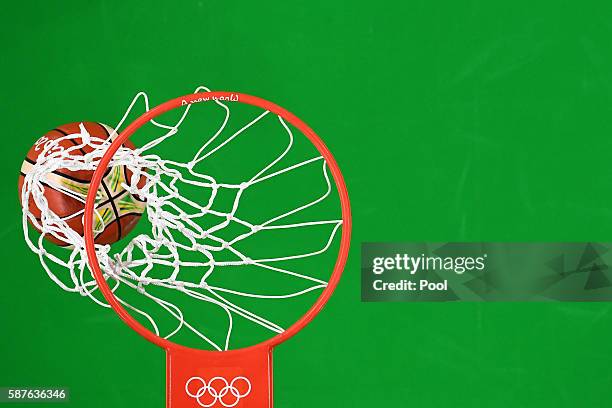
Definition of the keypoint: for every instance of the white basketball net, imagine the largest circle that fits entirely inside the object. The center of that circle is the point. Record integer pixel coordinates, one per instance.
(171, 216)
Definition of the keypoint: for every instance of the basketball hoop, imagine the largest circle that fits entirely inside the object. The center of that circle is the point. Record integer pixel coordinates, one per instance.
(195, 377)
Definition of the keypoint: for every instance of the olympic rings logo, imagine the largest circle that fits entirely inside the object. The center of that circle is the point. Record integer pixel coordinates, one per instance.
(218, 390)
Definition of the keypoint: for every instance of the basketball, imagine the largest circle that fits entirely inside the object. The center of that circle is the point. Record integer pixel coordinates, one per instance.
(118, 211)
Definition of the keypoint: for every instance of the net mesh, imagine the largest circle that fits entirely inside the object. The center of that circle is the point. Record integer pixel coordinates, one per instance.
(181, 248)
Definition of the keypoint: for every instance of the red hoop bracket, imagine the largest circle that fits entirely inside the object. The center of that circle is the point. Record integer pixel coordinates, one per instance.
(210, 373)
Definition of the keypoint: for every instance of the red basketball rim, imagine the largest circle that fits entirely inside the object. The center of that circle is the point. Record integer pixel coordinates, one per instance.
(230, 97)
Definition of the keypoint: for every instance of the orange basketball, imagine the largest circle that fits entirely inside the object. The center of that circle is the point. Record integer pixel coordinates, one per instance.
(119, 211)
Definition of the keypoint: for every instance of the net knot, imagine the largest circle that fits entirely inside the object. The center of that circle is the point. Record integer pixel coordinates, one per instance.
(177, 284)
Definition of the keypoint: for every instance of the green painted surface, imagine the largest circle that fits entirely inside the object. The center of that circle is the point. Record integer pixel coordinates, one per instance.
(465, 122)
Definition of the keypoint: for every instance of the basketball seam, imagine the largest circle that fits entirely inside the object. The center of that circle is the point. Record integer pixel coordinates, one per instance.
(57, 172)
(103, 128)
(99, 205)
(112, 203)
(57, 191)
(72, 215)
(71, 140)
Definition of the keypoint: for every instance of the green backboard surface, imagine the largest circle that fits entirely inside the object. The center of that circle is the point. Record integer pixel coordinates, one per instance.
(472, 121)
